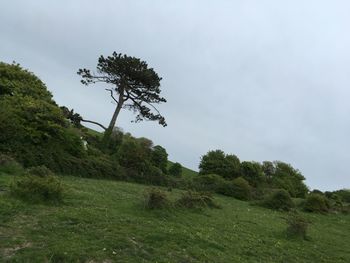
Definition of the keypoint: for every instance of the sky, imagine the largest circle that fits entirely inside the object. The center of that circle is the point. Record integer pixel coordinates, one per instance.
(264, 80)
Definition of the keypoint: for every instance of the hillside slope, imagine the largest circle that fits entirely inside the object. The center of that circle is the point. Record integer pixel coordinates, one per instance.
(105, 221)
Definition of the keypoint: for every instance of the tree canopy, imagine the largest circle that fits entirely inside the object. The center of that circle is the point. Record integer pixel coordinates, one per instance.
(217, 162)
(132, 85)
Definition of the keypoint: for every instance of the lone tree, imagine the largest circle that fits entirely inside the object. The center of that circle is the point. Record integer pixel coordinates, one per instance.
(134, 87)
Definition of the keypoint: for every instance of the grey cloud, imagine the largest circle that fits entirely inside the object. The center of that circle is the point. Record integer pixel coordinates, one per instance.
(266, 80)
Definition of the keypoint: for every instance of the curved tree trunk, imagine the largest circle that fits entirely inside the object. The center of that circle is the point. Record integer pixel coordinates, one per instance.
(107, 134)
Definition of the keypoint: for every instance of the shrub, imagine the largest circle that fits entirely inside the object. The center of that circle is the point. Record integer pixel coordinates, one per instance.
(38, 189)
(238, 188)
(41, 171)
(9, 165)
(155, 176)
(156, 199)
(159, 158)
(344, 194)
(279, 200)
(175, 170)
(252, 172)
(192, 199)
(316, 203)
(208, 182)
(296, 225)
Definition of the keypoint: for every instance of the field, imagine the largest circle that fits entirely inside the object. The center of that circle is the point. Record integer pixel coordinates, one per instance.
(105, 221)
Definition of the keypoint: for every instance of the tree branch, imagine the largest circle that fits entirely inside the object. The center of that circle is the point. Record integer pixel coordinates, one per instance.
(94, 122)
(139, 104)
(111, 91)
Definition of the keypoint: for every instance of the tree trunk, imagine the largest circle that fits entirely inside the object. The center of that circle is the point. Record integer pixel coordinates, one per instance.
(107, 134)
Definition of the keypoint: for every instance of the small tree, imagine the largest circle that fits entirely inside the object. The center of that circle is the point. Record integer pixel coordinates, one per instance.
(175, 169)
(159, 158)
(252, 172)
(134, 86)
(217, 162)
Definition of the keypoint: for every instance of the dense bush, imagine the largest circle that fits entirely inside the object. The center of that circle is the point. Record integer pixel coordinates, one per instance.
(297, 225)
(33, 128)
(288, 178)
(208, 182)
(279, 200)
(155, 176)
(238, 188)
(316, 203)
(41, 171)
(33, 188)
(159, 158)
(344, 195)
(252, 172)
(217, 162)
(193, 199)
(156, 199)
(175, 170)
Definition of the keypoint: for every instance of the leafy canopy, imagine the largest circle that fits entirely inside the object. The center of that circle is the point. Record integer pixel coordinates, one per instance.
(135, 86)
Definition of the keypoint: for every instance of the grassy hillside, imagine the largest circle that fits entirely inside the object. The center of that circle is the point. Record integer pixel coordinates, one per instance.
(105, 221)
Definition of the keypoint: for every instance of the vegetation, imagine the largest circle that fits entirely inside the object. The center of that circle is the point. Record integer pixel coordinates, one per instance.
(297, 225)
(316, 203)
(193, 199)
(217, 162)
(33, 188)
(238, 188)
(103, 220)
(279, 200)
(175, 170)
(135, 87)
(156, 199)
(208, 182)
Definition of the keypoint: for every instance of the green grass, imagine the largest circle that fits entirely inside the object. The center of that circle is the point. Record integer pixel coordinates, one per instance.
(105, 221)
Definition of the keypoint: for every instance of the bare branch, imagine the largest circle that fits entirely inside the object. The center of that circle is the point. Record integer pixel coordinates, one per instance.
(94, 122)
(111, 91)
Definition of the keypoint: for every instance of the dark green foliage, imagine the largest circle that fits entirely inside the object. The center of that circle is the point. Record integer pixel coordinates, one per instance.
(193, 199)
(134, 154)
(297, 225)
(217, 162)
(154, 176)
(344, 195)
(208, 182)
(290, 179)
(32, 188)
(156, 199)
(279, 200)
(268, 169)
(100, 166)
(41, 171)
(238, 188)
(316, 203)
(252, 172)
(175, 170)
(72, 116)
(316, 191)
(18, 82)
(33, 128)
(159, 158)
(9, 165)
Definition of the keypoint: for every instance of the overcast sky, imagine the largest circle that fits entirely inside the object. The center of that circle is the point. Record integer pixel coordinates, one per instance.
(265, 80)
